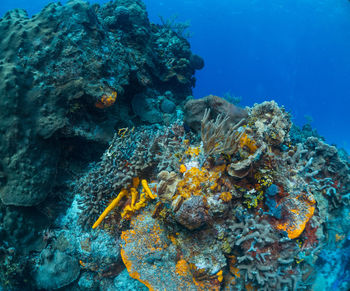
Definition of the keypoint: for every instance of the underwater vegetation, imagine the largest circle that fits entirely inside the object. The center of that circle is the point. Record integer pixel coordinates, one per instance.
(114, 178)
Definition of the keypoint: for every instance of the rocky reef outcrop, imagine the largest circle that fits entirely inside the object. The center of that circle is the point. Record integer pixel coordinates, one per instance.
(73, 74)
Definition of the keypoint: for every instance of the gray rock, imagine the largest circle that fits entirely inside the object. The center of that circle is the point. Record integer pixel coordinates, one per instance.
(146, 108)
(124, 282)
(167, 106)
(56, 270)
(87, 282)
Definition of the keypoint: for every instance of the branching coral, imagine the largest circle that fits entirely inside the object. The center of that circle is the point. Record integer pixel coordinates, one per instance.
(264, 259)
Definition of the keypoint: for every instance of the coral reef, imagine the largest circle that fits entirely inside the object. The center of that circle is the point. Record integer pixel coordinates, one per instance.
(180, 194)
(235, 205)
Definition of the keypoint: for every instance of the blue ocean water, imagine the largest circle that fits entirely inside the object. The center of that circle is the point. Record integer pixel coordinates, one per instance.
(293, 51)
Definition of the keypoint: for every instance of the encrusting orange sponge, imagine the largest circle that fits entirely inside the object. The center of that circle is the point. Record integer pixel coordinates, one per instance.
(299, 212)
(106, 100)
(249, 143)
(183, 169)
(226, 196)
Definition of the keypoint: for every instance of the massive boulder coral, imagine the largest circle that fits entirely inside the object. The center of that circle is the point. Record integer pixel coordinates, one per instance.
(193, 213)
(69, 73)
(194, 110)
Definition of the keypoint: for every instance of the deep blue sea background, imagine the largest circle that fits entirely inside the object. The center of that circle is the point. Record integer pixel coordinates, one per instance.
(296, 52)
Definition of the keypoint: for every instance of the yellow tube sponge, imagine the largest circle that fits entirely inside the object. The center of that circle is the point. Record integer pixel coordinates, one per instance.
(134, 195)
(147, 189)
(141, 203)
(110, 207)
(127, 212)
(220, 276)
